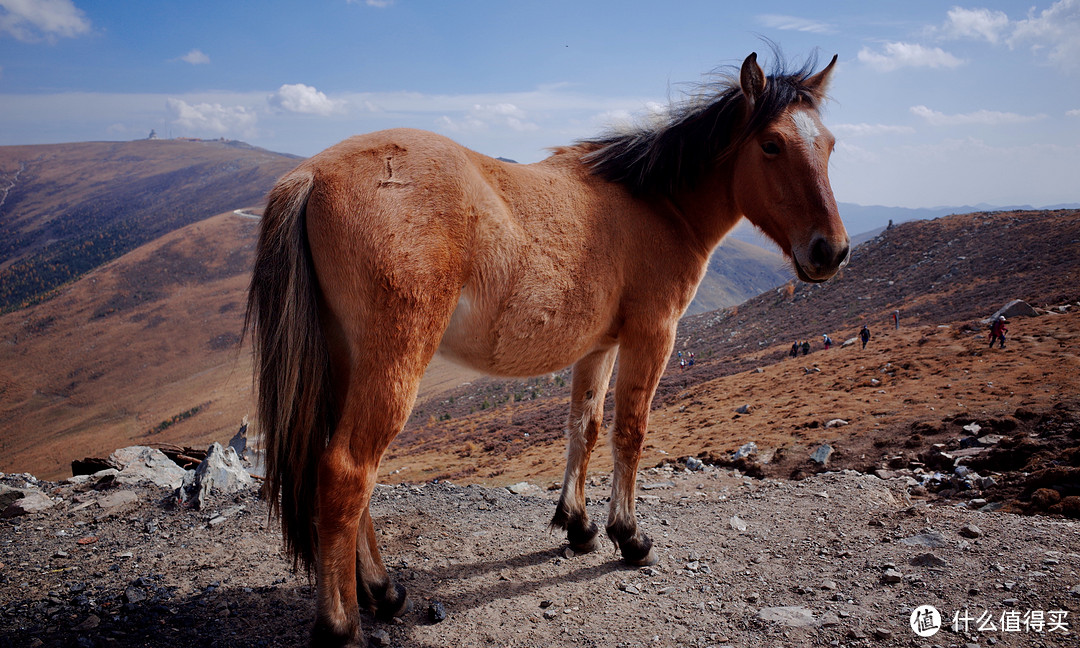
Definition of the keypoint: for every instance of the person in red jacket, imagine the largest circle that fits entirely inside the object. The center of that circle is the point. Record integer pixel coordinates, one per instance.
(998, 331)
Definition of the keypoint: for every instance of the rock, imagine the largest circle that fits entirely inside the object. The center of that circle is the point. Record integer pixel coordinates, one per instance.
(1015, 308)
(891, 576)
(8, 495)
(436, 613)
(836, 423)
(658, 485)
(821, 454)
(930, 540)
(239, 441)
(793, 616)
(848, 342)
(550, 614)
(882, 633)
(137, 464)
(737, 523)
(745, 450)
(221, 472)
(973, 428)
(927, 560)
(743, 409)
(695, 464)
(970, 531)
(380, 638)
(521, 488)
(117, 500)
(32, 501)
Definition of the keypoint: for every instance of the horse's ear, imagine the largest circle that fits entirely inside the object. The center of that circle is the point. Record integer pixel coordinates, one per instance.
(752, 80)
(819, 83)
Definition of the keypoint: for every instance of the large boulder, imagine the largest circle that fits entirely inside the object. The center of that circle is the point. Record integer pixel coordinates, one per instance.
(221, 472)
(143, 464)
(19, 501)
(1015, 308)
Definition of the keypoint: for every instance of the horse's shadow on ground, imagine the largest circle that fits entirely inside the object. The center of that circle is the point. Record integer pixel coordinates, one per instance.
(450, 584)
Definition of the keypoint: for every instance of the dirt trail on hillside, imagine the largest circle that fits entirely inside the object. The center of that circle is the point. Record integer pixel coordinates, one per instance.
(835, 559)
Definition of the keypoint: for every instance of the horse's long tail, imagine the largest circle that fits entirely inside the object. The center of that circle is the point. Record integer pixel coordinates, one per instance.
(294, 405)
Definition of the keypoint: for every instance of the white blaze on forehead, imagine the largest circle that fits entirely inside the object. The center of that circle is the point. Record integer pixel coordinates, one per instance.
(807, 127)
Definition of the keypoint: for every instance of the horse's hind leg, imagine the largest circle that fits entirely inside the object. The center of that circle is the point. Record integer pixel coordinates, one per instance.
(380, 362)
(641, 363)
(590, 383)
(374, 588)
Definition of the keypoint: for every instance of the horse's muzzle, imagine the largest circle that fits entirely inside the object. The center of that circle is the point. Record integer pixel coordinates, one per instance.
(824, 259)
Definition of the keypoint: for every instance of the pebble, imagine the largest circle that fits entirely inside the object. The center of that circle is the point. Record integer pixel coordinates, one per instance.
(882, 633)
(436, 612)
(970, 531)
(928, 560)
(380, 638)
(737, 523)
(891, 576)
(550, 614)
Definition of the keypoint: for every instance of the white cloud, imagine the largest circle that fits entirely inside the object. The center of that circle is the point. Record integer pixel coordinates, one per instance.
(35, 20)
(1073, 113)
(979, 24)
(485, 116)
(195, 57)
(211, 118)
(898, 55)
(1056, 30)
(794, 23)
(863, 130)
(300, 98)
(981, 117)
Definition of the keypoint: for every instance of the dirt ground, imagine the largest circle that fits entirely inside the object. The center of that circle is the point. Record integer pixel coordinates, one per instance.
(838, 558)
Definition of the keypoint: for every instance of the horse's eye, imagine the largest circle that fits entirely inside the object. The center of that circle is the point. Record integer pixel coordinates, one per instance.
(770, 148)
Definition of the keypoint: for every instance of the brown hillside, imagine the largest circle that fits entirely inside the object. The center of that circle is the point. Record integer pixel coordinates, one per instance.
(66, 209)
(141, 351)
(738, 271)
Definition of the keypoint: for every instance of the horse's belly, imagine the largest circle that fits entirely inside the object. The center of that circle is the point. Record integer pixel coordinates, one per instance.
(526, 340)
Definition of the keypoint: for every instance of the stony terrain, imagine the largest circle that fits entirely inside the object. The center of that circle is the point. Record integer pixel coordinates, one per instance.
(839, 558)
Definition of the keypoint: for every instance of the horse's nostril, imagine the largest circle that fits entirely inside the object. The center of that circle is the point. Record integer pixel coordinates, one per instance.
(819, 253)
(824, 255)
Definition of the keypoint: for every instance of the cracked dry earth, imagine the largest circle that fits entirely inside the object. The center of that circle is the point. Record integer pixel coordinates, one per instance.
(838, 559)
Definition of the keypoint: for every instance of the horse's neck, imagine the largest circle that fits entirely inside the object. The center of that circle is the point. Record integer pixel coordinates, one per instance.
(709, 210)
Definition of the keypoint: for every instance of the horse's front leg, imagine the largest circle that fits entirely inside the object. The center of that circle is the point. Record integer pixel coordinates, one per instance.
(590, 383)
(641, 364)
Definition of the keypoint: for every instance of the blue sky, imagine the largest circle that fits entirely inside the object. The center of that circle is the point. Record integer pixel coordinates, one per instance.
(933, 104)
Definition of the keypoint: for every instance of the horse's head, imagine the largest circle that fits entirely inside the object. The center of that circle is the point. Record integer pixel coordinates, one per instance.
(781, 175)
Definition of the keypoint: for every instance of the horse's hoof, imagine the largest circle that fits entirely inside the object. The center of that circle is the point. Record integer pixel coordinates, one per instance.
(583, 538)
(590, 545)
(395, 606)
(324, 636)
(643, 561)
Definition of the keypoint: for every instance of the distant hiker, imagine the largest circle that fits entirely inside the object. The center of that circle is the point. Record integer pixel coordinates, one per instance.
(794, 349)
(682, 364)
(806, 347)
(864, 335)
(998, 331)
(827, 340)
(690, 362)
(896, 319)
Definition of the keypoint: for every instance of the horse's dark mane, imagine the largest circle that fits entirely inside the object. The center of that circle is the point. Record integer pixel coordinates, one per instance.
(676, 151)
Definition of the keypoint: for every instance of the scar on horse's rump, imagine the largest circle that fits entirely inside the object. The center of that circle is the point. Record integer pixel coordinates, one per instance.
(390, 179)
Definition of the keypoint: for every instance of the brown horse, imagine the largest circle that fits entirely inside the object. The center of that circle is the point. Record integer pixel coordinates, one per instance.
(389, 247)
